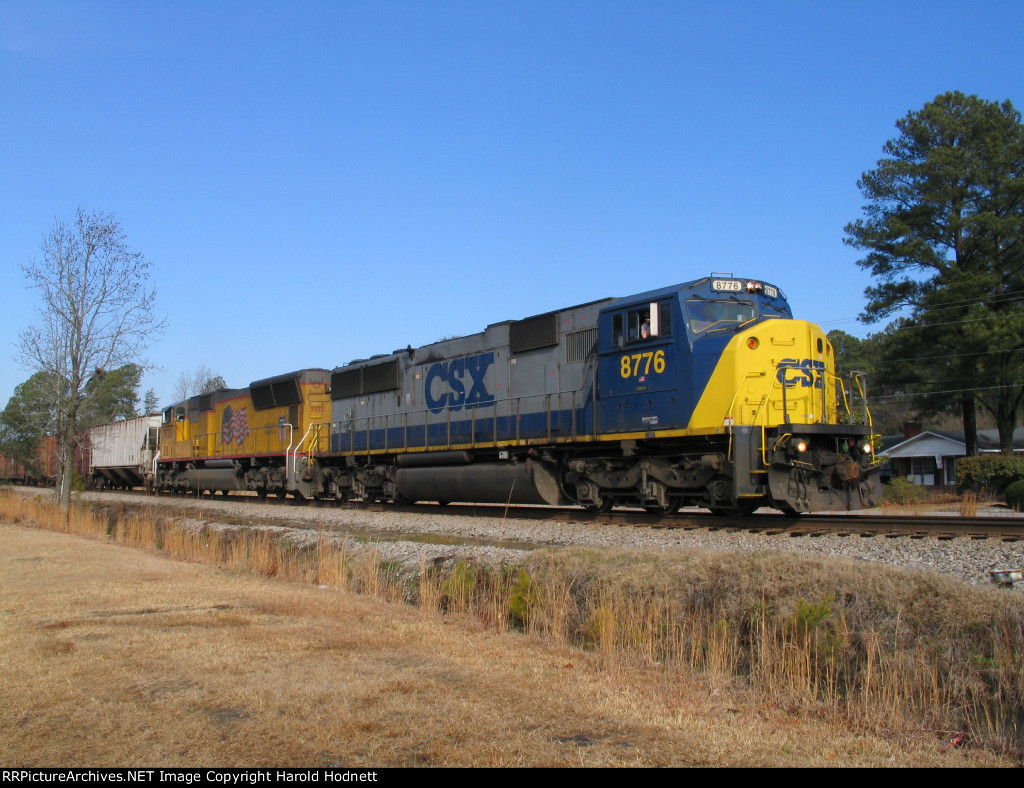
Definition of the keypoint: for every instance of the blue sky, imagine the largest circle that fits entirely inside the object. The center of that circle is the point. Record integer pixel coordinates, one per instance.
(316, 182)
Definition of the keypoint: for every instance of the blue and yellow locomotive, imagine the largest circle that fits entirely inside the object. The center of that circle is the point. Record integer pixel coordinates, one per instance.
(703, 394)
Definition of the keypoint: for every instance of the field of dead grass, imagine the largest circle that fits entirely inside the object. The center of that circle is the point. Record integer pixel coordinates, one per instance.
(112, 655)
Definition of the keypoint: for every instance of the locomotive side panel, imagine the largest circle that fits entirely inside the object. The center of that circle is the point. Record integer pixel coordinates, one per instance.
(644, 368)
(509, 385)
(457, 420)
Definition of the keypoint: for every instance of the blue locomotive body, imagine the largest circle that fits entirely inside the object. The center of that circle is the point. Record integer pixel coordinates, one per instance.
(706, 393)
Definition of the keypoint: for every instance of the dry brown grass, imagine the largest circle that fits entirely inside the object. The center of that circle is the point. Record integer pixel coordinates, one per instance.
(873, 646)
(119, 657)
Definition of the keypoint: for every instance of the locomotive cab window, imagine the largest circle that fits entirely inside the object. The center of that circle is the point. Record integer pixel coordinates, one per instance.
(639, 325)
(704, 316)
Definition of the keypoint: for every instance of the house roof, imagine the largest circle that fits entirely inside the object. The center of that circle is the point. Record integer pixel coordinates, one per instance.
(943, 443)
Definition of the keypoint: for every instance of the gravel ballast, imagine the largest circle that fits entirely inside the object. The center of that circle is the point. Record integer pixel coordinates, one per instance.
(417, 538)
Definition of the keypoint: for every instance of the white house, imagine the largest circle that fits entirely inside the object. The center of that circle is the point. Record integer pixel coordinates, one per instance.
(929, 457)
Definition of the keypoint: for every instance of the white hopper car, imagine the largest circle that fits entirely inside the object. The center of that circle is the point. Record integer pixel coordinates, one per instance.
(122, 453)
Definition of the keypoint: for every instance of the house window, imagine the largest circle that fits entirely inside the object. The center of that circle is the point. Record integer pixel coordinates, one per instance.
(922, 470)
(949, 468)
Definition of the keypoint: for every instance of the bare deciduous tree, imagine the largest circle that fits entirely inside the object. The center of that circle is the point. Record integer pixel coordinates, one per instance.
(203, 381)
(96, 313)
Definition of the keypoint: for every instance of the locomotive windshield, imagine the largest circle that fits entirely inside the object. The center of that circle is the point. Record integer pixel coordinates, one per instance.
(704, 316)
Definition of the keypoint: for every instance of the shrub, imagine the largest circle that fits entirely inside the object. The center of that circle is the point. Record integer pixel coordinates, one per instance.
(461, 586)
(991, 473)
(903, 492)
(1015, 496)
(524, 599)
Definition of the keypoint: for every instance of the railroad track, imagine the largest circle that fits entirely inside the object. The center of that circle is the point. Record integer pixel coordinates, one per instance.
(913, 527)
(946, 527)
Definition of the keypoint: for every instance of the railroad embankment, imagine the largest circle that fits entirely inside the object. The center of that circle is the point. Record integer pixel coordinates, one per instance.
(905, 662)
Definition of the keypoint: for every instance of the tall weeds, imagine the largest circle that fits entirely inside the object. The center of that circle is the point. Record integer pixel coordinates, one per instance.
(881, 648)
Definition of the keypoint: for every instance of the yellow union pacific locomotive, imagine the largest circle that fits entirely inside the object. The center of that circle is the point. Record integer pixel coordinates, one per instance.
(705, 394)
(241, 439)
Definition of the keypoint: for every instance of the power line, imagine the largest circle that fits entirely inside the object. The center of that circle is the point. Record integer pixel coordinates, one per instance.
(949, 356)
(901, 389)
(884, 397)
(1001, 298)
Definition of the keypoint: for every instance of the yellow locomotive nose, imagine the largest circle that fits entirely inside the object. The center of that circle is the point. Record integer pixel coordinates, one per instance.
(777, 372)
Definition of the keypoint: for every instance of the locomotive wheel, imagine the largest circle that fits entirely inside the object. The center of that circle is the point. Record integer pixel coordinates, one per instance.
(673, 506)
(599, 508)
(734, 511)
(261, 493)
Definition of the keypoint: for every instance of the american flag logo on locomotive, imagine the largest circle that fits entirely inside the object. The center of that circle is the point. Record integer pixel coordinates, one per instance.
(234, 425)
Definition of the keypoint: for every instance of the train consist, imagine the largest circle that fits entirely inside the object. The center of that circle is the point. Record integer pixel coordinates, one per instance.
(41, 469)
(703, 394)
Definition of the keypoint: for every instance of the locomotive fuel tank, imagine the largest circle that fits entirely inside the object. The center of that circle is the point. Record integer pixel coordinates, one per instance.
(528, 482)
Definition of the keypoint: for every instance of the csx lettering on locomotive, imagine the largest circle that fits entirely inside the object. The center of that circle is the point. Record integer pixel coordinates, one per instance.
(449, 378)
(804, 373)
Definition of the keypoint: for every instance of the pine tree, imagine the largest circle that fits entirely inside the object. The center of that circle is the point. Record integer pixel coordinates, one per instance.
(943, 233)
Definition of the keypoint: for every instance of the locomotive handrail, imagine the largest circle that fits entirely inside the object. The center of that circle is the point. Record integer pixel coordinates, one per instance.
(842, 391)
(781, 380)
(369, 424)
(291, 438)
(860, 379)
(192, 447)
(730, 411)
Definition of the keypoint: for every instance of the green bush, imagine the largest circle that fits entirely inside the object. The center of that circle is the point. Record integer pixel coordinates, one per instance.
(524, 600)
(1015, 496)
(991, 473)
(899, 490)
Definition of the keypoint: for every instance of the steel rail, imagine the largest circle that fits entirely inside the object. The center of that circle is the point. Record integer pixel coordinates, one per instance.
(944, 527)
